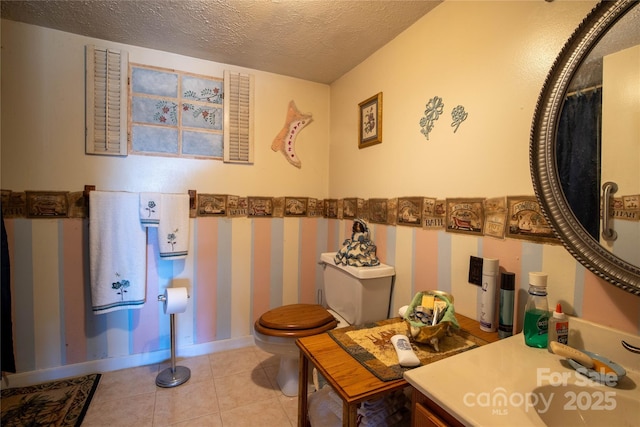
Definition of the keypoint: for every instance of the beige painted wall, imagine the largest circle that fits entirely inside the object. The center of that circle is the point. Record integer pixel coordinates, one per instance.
(491, 58)
(43, 126)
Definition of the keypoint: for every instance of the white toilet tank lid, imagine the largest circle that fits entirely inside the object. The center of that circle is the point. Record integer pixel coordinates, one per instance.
(381, 270)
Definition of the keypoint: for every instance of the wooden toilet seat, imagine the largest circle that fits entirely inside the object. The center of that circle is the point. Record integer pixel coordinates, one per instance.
(296, 321)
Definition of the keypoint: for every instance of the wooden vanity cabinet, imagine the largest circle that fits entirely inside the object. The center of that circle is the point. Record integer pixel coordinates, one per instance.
(426, 413)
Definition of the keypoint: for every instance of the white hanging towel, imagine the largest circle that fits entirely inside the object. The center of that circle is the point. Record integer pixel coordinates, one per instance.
(173, 231)
(117, 252)
(150, 209)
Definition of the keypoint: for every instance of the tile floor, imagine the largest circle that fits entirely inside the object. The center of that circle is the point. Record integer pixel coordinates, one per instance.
(234, 388)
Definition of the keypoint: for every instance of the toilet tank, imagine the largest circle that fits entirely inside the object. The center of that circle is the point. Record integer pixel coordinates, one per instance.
(358, 294)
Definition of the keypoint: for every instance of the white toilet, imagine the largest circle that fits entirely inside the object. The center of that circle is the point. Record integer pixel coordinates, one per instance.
(353, 295)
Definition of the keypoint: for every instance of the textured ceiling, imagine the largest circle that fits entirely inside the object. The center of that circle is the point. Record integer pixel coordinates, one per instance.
(316, 40)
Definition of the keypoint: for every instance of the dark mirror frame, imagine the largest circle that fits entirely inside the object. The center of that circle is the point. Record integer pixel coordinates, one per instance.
(542, 149)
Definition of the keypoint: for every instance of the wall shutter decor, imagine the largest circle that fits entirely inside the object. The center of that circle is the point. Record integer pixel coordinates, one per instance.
(238, 117)
(105, 101)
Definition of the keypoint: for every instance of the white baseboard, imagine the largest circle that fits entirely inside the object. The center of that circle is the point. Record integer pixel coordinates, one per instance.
(23, 379)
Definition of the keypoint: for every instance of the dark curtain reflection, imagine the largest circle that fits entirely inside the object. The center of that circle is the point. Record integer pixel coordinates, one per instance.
(578, 156)
(8, 360)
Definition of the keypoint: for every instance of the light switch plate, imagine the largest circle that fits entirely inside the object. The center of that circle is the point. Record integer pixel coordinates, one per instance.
(475, 270)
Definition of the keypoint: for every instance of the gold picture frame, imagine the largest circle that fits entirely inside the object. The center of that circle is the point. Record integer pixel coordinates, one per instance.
(370, 121)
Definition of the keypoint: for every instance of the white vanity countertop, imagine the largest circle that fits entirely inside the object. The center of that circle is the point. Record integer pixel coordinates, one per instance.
(495, 385)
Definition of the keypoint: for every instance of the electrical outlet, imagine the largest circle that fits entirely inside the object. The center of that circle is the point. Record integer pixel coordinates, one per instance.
(475, 270)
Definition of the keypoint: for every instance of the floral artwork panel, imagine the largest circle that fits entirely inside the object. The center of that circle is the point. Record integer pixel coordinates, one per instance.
(154, 140)
(155, 111)
(197, 116)
(202, 144)
(202, 90)
(188, 106)
(370, 122)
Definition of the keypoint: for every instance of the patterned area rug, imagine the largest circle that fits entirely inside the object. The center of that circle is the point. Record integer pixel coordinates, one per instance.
(57, 403)
(370, 344)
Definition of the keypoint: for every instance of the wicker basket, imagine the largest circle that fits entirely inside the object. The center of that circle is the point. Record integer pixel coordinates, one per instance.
(428, 334)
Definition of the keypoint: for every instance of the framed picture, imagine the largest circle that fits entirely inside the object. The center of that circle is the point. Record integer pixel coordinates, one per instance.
(237, 206)
(465, 216)
(410, 211)
(314, 207)
(296, 206)
(370, 123)
(47, 204)
(260, 206)
(526, 220)
(378, 211)
(349, 208)
(14, 205)
(495, 217)
(331, 208)
(212, 205)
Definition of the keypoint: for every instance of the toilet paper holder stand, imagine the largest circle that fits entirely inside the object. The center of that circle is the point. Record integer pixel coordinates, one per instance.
(174, 375)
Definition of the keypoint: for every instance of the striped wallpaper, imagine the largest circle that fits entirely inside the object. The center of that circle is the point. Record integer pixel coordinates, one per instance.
(238, 268)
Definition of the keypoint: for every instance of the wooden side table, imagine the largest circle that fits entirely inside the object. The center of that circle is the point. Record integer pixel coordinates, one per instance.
(349, 379)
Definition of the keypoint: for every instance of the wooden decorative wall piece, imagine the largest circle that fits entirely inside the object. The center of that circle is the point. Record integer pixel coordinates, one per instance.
(285, 141)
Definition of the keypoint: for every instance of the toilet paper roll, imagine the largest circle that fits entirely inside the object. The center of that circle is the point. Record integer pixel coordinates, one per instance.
(175, 300)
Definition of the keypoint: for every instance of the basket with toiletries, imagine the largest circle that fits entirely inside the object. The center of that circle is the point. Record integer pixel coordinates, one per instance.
(429, 317)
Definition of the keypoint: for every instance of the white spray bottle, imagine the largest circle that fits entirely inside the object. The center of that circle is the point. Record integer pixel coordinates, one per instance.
(488, 318)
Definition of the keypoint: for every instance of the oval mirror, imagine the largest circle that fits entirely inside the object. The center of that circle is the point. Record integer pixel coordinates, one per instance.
(585, 144)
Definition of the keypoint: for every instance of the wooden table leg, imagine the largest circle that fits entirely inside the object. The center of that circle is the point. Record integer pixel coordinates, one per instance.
(303, 379)
(349, 414)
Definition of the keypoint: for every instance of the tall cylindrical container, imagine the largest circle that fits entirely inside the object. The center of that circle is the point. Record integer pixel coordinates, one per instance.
(507, 298)
(536, 312)
(488, 316)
